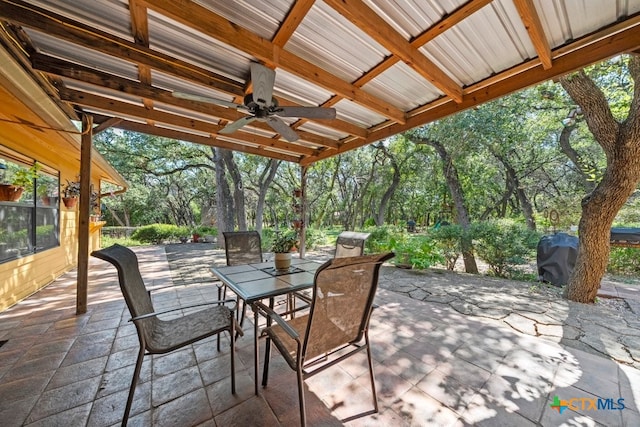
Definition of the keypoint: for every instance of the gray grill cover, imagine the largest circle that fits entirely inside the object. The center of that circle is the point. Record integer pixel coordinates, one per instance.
(556, 258)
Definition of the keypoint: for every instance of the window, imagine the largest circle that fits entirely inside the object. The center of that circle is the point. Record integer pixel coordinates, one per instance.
(29, 207)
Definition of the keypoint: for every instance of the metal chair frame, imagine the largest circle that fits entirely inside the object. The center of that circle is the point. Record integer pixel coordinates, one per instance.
(159, 336)
(309, 358)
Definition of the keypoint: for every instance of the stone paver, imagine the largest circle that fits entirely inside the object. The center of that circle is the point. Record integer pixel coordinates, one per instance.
(448, 349)
(530, 308)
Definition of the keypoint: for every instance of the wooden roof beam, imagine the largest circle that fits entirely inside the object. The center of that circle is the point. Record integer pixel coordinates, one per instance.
(377, 28)
(594, 48)
(60, 68)
(203, 140)
(295, 16)
(532, 23)
(30, 16)
(140, 31)
(204, 20)
(591, 49)
(119, 108)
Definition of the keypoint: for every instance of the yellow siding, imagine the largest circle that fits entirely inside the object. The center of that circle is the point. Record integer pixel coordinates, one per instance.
(24, 276)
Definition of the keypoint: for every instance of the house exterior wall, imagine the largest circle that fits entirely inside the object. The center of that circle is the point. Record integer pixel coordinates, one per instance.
(35, 127)
(22, 277)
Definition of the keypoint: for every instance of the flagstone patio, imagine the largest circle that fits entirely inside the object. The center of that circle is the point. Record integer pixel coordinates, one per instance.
(446, 354)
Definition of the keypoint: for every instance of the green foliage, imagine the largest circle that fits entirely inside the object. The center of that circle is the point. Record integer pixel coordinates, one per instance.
(378, 240)
(447, 240)
(624, 261)
(124, 241)
(20, 176)
(314, 237)
(284, 241)
(71, 189)
(202, 230)
(413, 250)
(158, 233)
(503, 244)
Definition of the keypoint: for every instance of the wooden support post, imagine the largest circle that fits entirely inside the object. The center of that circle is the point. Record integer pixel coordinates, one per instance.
(303, 212)
(83, 214)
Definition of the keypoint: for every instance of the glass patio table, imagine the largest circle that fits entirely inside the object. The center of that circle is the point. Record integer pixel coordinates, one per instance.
(255, 282)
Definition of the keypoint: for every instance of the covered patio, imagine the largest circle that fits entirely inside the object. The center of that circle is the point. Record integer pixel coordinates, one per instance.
(434, 364)
(385, 67)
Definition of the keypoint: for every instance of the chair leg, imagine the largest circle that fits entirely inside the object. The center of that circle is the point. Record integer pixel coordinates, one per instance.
(303, 413)
(371, 376)
(132, 388)
(267, 357)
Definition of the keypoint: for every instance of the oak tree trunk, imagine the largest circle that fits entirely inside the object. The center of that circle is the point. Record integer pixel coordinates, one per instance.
(453, 183)
(621, 144)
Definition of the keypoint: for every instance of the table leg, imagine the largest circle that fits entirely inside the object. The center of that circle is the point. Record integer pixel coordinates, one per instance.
(267, 348)
(255, 344)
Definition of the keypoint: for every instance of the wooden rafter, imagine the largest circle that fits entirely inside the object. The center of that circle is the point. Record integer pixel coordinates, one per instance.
(378, 29)
(447, 22)
(30, 16)
(207, 22)
(125, 109)
(61, 68)
(622, 38)
(531, 21)
(210, 141)
(295, 16)
(140, 31)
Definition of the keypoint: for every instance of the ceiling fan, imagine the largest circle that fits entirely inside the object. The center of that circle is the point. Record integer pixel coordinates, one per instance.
(262, 106)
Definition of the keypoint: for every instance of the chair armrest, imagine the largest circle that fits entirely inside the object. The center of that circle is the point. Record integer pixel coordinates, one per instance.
(156, 313)
(279, 320)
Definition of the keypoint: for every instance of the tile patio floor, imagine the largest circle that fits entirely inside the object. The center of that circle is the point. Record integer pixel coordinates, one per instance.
(433, 366)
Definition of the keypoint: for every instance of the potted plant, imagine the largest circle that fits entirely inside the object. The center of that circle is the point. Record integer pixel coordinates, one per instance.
(70, 193)
(47, 192)
(283, 243)
(22, 178)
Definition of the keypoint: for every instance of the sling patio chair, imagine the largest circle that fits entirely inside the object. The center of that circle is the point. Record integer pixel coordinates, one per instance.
(336, 325)
(350, 243)
(159, 336)
(242, 247)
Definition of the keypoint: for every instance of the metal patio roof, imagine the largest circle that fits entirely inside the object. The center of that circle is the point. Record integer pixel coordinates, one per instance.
(386, 66)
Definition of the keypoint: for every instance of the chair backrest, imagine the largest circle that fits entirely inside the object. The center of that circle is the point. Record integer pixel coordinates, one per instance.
(131, 284)
(343, 293)
(242, 247)
(350, 244)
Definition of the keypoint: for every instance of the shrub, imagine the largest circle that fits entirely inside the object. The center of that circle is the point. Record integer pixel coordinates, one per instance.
(158, 233)
(313, 237)
(415, 251)
(203, 230)
(624, 261)
(447, 240)
(378, 240)
(503, 244)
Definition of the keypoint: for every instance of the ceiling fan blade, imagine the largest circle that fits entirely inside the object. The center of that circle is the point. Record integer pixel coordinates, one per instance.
(232, 127)
(282, 128)
(262, 79)
(200, 98)
(306, 112)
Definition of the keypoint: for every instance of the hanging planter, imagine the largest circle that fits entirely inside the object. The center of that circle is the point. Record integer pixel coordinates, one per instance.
(70, 202)
(10, 192)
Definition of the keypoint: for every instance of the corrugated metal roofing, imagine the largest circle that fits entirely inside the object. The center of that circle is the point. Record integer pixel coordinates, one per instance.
(385, 66)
